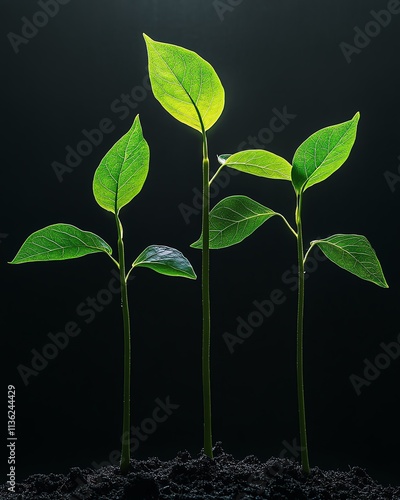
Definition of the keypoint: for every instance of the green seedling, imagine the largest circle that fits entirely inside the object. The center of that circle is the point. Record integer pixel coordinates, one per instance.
(117, 180)
(236, 217)
(188, 87)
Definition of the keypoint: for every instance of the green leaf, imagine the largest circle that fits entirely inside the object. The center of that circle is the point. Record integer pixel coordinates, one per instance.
(186, 85)
(261, 163)
(165, 260)
(123, 170)
(59, 242)
(222, 158)
(323, 153)
(233, 219)
(354, 254)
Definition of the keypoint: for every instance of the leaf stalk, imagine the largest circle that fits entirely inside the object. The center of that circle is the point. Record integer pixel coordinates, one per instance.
(216, 174)
(287, 223)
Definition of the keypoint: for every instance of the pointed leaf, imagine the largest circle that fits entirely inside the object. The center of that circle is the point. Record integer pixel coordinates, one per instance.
(165, 260)
(123, 170)
(233, 219)
(186, 85)
(323, 153)
(60, 242)
(261, 163)
(353, 253)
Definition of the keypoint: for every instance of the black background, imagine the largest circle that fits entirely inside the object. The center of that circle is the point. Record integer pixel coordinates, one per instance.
(268, 54)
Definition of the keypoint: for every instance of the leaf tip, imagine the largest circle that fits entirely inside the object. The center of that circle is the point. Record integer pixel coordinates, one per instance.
(136, 122)
(384, 283)
(192, 275)
(197, 244)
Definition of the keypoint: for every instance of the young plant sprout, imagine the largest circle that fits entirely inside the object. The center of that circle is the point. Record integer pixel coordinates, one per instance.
(236, 217)
(188, 87)
(117, 180)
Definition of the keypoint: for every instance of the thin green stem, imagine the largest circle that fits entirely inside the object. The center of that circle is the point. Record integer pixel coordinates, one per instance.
(205, 287)
(128, 274)
(206, 302)
(126, 451)
(114, 260)
(215, 175)
(300, 320)
(288, 225)
(307, 253)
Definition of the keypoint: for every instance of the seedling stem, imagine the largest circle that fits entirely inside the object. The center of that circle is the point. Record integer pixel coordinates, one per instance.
(300, 320)
(126, 423)
(206, 301)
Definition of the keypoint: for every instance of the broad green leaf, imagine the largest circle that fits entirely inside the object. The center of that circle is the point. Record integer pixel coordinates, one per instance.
(233, 219)
(123, 171)
(59, 242)
(323, 153)
(353, 253)
(186, 85)
(165, 260)
(261, 163)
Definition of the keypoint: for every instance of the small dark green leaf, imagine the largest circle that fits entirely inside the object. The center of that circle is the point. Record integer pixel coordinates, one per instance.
(123, 171)
(186, 85)
(233, 219)
(261, 163)
(60, 242)
(355, 254)
(222, 158)
(165, 260)
(323, 153)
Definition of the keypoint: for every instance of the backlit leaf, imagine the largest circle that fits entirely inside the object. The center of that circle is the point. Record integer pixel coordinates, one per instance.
(59, 242)
(261, 163)
(355, 254)
(323, 153)
(186, 85)
(123, 170)
(233, 219)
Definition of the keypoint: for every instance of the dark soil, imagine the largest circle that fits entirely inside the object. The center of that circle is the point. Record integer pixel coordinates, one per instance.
(188, 478)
